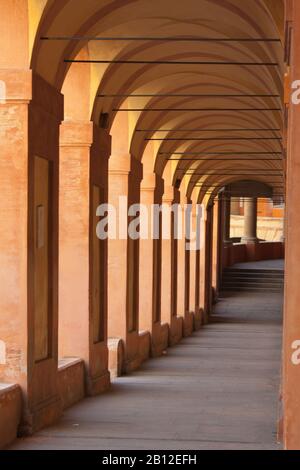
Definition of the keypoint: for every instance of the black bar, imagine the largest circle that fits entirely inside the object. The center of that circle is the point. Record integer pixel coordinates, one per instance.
(261, 196)
(224, 159)
(190, 171)
(149, 38)
(234, 169)
(215, 183)
(235, 195)
(200, 95)
(274, 195)
(267, 196)
(219, 153)
(254, 171)
(215, 200)
(197, 109)
(208, 130)
(167, 62)
(232, 174)
(243, 198)
(220, 186)
(223, 184)
(212, 138)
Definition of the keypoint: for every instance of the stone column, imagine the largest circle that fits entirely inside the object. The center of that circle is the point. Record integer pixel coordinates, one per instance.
(226, 218)
(183, 270)
(235, 205)
(209, 257)
(192, 292)
(283, 236)
(29, 151)
(150, 268)
(182, 304)
(125, 174)
(291, 333)
(216, 257)
(84, 152)
(206, 262)
(169, 271)
(250, 220)
(194, 268)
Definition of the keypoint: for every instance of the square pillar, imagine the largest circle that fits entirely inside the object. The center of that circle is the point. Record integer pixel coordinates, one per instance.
(226, 204)
(206, 263)
(250, 220)
(183, 271)
(194, 270)
(217, 247)
(235, 205)
(291, 326)
(182, 264)
(29, 147)
(169, 270)
(150, 269)
(125, 175)
(84, 153)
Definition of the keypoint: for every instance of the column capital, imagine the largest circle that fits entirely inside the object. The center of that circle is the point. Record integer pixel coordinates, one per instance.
(250, 220)
(168, 196)
(16, 86)
(27, 87)
(119, 164)
(149, 183)
(76, 134)
(226, 202)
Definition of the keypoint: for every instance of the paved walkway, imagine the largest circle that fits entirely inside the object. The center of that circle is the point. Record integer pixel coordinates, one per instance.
(266, 264)
(217, 389)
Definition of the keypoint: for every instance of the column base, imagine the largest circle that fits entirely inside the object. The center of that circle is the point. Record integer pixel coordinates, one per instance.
(126, 357)
(144, 339)
(40, 416)
(116, 356)
(71, 381)
(97, 385)
(132, 364)
(175, 330)
(249, 240)
(198, 319)
(188, 324)
(159, 339)
(205, 317)
(11, 404)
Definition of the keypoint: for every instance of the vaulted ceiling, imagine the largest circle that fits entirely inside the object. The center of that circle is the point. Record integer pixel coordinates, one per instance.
(200, 111)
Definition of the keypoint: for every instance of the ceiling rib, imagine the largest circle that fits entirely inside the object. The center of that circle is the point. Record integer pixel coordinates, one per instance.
(210, 130)
(159, 38)
(168, 62)
(190, 95)
(197, 109)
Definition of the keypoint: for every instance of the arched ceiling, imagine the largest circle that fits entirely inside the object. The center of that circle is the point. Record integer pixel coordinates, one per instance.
(199, 121)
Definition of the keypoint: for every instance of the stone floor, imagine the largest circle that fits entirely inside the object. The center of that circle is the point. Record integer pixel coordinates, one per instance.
(267, 264)
(217, 389)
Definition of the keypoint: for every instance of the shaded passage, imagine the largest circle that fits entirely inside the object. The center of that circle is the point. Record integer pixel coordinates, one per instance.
(217, 389)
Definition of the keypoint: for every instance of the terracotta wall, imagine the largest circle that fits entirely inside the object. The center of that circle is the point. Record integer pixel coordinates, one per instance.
(71, 381)
(242, 253)
(265, 208)
(268, 228)
(32, 115)
(10, 413)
